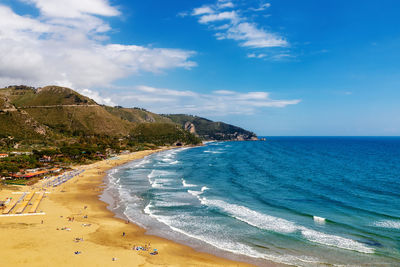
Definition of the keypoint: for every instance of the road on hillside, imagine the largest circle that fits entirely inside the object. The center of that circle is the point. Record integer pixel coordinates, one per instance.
(55, 106)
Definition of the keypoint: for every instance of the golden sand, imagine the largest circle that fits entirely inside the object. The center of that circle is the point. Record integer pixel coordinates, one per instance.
(52, 239)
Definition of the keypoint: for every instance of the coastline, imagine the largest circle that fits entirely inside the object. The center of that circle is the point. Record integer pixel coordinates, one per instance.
(28, 241)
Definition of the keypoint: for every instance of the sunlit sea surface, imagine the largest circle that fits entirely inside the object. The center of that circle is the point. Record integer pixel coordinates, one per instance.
(304, 201)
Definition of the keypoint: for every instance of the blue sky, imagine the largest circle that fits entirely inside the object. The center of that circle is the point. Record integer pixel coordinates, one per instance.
(275, 67)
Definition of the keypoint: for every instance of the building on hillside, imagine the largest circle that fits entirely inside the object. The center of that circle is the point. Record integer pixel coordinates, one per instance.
(21, 153)
(45, 159)
(34, 174)
(3, 155)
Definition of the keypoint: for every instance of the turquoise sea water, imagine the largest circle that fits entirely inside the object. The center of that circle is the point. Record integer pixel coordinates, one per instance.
(257, 200)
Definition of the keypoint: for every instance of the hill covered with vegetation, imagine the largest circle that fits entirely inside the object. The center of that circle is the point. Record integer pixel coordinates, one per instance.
(35, 118)
(54, 116)
(210, 130)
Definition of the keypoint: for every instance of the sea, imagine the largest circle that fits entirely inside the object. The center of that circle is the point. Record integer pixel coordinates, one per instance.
(301, 201)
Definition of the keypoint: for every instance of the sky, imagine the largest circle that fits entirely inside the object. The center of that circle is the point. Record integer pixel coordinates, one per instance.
(278, 67)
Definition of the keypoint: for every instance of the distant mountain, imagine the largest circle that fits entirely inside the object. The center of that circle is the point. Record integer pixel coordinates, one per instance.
(210, 130)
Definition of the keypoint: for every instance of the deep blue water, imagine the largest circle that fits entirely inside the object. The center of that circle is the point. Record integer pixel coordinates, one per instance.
(259, 199)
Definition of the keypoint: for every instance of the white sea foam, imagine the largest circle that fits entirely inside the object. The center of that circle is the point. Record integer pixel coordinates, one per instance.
(387, 224)
(319, 220)
(334, 241)
(253, 218)
(140, 163)
(170, 204)
(195, 193)
(280, 225)
(186, 184)
(112, 179)
(204, 188)
(198, 193)
(147, 209)
(160, 182)
(174, 162)
(177, 224)
(155, 180)
(159, 173)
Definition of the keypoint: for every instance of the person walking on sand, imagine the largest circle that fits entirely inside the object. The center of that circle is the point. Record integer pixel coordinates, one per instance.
(123, 233)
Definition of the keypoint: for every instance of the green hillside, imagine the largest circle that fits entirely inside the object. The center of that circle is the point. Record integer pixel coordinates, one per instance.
(47, 96)
(57, 115)
(209, 130)
(65, 111)
(161, 133)
(137, 115)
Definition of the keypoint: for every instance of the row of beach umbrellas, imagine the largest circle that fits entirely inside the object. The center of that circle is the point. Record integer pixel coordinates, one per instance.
(63, 178)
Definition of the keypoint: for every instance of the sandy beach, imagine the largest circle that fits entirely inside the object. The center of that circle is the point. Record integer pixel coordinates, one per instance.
(75, 220)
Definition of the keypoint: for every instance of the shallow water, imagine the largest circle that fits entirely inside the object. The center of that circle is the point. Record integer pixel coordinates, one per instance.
(259, 199)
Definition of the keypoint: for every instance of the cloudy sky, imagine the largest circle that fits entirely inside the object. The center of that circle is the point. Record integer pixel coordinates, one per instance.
(278, 67)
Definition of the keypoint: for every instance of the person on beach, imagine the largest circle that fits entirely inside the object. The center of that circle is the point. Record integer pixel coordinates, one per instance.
(123, 233)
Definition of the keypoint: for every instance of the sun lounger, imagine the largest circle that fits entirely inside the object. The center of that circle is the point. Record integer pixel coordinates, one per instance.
(36, 204)
(13, 203)
(10, 206)
(25, 202)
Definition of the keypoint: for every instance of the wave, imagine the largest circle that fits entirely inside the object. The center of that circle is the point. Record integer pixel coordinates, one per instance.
(155, 179)
(204, 188)
(177, 224)
(334, 241)
(253, 218)
(186, 184)
(170, 204)
(140, 163)
(195, 193)
(158, 173)
(387, 224)
(280, 225)
(159, 183)
(174, 162)
(114, 181)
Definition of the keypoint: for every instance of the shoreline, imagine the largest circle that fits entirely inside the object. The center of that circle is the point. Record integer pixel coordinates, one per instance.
(40, 240)
(111, 196)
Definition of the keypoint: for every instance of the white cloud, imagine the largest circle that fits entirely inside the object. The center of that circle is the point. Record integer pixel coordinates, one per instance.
(254, 55)
(231, 15)
(74, 8)
(282, 56)
(97, 97)
(262, 7)
(65, 45)
(165, 92)
(237, 26)
(225, 4)
(202, 10)
(253, 37)
(223, 102)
